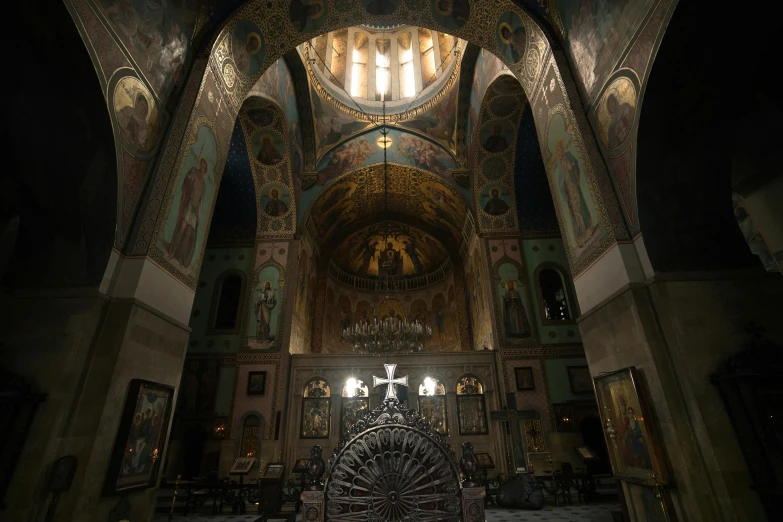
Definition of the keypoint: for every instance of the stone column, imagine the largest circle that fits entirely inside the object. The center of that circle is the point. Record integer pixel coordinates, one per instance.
(676, 330)
(82, 347)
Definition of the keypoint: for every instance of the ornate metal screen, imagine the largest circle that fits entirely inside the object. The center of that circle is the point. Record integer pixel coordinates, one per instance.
(392, 466)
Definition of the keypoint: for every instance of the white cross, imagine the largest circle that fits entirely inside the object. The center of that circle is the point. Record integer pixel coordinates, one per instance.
(391, 381)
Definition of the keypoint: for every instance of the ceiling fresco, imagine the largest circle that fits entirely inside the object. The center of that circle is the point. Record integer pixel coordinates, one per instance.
(412, 192)
(409, 251)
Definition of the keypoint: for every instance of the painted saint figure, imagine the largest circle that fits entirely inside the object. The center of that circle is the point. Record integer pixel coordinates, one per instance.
(389, 262)
(514, 315)
(265, 303)
(345, 321)
(410, 249)
(183, 242)
(133, 122)
(244, 53)
(268, 153)
(621, 117)
(569, 178)
(275, 207)
(516, 40)
(304, 10)
(495, 206)
(496, 142)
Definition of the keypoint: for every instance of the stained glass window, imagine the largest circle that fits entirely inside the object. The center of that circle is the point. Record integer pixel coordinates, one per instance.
(432, 404)
(316, 410)
(470, 407)
(355, 401)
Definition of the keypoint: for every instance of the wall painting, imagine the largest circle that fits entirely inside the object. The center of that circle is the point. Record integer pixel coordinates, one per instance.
(136, 114)
(616, 113)
(513, 304)
(264, 310)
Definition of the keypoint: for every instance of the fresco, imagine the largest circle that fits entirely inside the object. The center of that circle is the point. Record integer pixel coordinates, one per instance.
(598, 32)
(264, 312)
(497, 135)
(495, 200)
(331, 125)
(268, 147)
(487, 67)
(494, 168)
(616, 112)
(478, 300)
(136, 114)
(380, 7)
(275, 200)
(571, 190)
(504, 105)
(413, 252)
(186, 223)
(308, 15)
(511, 37)
(440, 122)
(247, 47)
(260, 111)
(513, 304)
(158, 36)
(444, 320)
(406, 148)
(451, 14)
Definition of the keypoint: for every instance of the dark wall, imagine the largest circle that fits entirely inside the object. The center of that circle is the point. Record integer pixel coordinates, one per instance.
(59, 175)
(699, 122)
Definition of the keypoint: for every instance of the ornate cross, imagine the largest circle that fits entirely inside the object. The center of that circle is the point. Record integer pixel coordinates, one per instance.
(391, 394)
(512, 415)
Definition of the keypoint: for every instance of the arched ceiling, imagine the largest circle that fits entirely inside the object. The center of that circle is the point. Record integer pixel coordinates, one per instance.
(360, 196)
(413, 252)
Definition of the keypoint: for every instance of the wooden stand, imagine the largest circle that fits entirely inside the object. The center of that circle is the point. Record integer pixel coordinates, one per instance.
(241, 467)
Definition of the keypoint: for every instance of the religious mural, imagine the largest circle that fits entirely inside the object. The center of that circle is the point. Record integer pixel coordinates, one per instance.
(451, 14)
(265, 309)
(616, 113)
(275, 200)
(572, 192)
(158, 35)
(308, 15)
(487, 67)
(247, 47)
(136, 114)
(268, 147)
(477, 297)
(332, 125)
(598, 32)
(495, 200)
(514, 305)
(406, 250)
(440, 122)
(187, 217)
(511, 37)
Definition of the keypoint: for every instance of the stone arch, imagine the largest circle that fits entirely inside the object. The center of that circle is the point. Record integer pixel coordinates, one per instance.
(538, 67)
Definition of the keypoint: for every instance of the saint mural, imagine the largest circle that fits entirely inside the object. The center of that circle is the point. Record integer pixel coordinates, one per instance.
(265, 303)
(276, 201)
(308, 15)
(247, 47)
(568, 175)
(511, 37)
(268, 148)
(616, 113)
(137, 115)
(188, 222)
(514, 315)
(494, 205)
(345, 158)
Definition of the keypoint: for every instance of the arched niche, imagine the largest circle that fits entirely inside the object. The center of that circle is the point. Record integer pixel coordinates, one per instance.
(228, 299)
(553, 287)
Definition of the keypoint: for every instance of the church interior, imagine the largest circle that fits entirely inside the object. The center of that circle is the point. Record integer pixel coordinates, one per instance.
(542, 239)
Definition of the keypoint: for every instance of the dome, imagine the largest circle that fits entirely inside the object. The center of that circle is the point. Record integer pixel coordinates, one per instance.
(364, 66)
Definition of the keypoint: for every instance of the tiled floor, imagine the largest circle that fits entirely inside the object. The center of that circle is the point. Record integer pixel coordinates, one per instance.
(580, 513)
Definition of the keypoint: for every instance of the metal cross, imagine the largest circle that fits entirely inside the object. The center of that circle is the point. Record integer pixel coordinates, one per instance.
(391, 394)
(512, 415)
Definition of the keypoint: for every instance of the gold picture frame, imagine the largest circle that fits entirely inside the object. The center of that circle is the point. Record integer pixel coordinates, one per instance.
(630, 434)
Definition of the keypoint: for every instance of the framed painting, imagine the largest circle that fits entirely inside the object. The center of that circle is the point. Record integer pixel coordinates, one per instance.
(138, 446)
(273, 470)
(353, 408)
(242, 466)
(484, 460)
(301, 465)
(524, 376)
(316, 413)
(256, 383)
(585, 453)
(630, 434)
(433, 408)
(579, 378)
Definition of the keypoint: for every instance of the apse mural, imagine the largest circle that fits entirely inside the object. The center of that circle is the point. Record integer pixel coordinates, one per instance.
(158, 36)
(187, 217)
(264, 310)
(616, 112)
(275, 200)
(598, 33)
(308, 15)
(408, 251)
(136, 114)
(571, 189)
(514, 307)
(247, 47)
(451, 14)
(511, 37)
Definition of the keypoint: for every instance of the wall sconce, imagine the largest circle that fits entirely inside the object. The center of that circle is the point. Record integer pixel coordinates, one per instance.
(220, 431)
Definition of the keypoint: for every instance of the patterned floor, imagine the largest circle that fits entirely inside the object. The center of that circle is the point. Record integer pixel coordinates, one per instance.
(577, 513)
